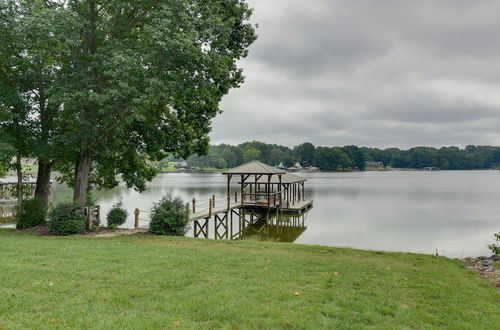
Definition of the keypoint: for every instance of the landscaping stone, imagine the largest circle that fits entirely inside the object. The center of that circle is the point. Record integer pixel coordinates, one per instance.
(486, 267)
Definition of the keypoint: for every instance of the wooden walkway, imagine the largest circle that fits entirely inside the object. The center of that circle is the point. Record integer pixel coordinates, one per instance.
(297, 208)
(216, 210)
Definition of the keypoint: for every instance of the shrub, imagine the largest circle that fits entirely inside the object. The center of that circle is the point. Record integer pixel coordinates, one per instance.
(66, 219)
(31, 214)
(169, 217)
(117, 215)
(495, 249)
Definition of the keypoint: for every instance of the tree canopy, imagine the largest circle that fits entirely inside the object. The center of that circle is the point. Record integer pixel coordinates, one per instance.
(349, 157)
(123, 82)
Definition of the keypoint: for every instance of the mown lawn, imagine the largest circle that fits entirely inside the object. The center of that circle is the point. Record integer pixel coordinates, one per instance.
(147, 282)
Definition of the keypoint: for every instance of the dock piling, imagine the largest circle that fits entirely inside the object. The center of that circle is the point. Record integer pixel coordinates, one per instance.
(136, 219)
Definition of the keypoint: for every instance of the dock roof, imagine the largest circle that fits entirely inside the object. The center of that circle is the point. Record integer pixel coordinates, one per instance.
(254, 167)
(287, 178)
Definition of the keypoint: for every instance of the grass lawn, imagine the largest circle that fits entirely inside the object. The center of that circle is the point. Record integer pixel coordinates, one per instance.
(148, 282)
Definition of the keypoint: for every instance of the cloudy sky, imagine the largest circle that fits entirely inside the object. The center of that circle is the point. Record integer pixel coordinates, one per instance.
(374, 73)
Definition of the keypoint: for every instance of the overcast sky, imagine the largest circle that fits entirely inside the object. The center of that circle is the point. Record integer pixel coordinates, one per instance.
(373, 73)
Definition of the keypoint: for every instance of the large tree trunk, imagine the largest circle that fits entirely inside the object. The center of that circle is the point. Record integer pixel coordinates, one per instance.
(19, 172)
(42, 190)
(82, 172)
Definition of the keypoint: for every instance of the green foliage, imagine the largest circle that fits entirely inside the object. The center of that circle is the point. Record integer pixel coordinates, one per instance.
(328, 158)
(117, 215)
(305, 153)
(112, 226)
(66, 219)
(495, 248)
(31, 214)
(169, 217)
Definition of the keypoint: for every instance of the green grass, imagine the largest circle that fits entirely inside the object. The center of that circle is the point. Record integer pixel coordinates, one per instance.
(148, 282)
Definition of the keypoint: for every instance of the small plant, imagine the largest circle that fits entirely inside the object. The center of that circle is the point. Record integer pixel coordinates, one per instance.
(169, 217)
(66, 219)
(112, 226)
(95, 228)
(31, 214)
(494, 247)
(117, 215)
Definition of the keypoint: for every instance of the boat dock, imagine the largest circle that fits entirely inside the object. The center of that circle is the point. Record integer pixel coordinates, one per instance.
(264, 191)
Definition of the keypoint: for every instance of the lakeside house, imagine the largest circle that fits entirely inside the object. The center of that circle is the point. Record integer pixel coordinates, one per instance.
(374, 165)
(182, 165)
(296, 167)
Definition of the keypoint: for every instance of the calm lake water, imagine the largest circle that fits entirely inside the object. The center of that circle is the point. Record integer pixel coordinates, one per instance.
(456, 212)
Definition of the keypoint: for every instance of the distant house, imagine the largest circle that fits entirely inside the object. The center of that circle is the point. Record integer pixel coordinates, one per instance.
(281, 166)
(295, 167)
(374, 165)
(182, 165)
(312, 168)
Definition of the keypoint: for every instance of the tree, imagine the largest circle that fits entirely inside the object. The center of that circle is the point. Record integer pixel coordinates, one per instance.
(140, 80)
(276, 156)
(33, 36)
(356, 155)
(420, 157)
(305, 153)
(250, 154)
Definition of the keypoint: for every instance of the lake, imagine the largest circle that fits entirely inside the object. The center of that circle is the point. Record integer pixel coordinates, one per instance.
(456, 212)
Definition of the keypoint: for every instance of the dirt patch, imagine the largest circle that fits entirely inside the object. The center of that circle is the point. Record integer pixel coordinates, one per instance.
(102, 232)
(38, 230)
(105, 232)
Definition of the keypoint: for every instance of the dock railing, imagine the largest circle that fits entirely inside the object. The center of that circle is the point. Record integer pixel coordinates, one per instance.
(262, 198)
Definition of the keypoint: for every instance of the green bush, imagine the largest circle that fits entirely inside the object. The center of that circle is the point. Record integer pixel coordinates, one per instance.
(66, 219)
(117, 215)
(31, 214)
(495, 249)
(169, 217)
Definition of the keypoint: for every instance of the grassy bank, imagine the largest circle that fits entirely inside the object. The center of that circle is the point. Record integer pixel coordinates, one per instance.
(146, 282)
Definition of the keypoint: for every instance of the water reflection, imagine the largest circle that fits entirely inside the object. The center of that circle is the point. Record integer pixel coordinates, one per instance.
(281, 228)
(456, 212)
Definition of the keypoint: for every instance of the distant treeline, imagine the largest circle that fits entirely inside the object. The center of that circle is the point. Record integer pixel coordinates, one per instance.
(348, 157)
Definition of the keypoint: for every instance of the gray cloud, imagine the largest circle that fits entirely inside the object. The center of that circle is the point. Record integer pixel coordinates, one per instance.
(376, 73)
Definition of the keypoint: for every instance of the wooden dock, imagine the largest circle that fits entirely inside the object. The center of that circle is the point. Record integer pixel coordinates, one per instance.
(297, 208)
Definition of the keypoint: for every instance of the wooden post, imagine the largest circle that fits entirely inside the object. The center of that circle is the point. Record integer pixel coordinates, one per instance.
(213, 201)
(89, 217)
(235, 197)
(241, 192)
(194, 205)
(98, 214)
(210, 209)
(136, 218)
(228, 191)
(269, 191)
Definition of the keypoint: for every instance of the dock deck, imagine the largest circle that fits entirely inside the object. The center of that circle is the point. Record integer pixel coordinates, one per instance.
(298, 207)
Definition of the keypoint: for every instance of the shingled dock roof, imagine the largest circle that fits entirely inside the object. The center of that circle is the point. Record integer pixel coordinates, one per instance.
(254, 167)
(288, 178)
